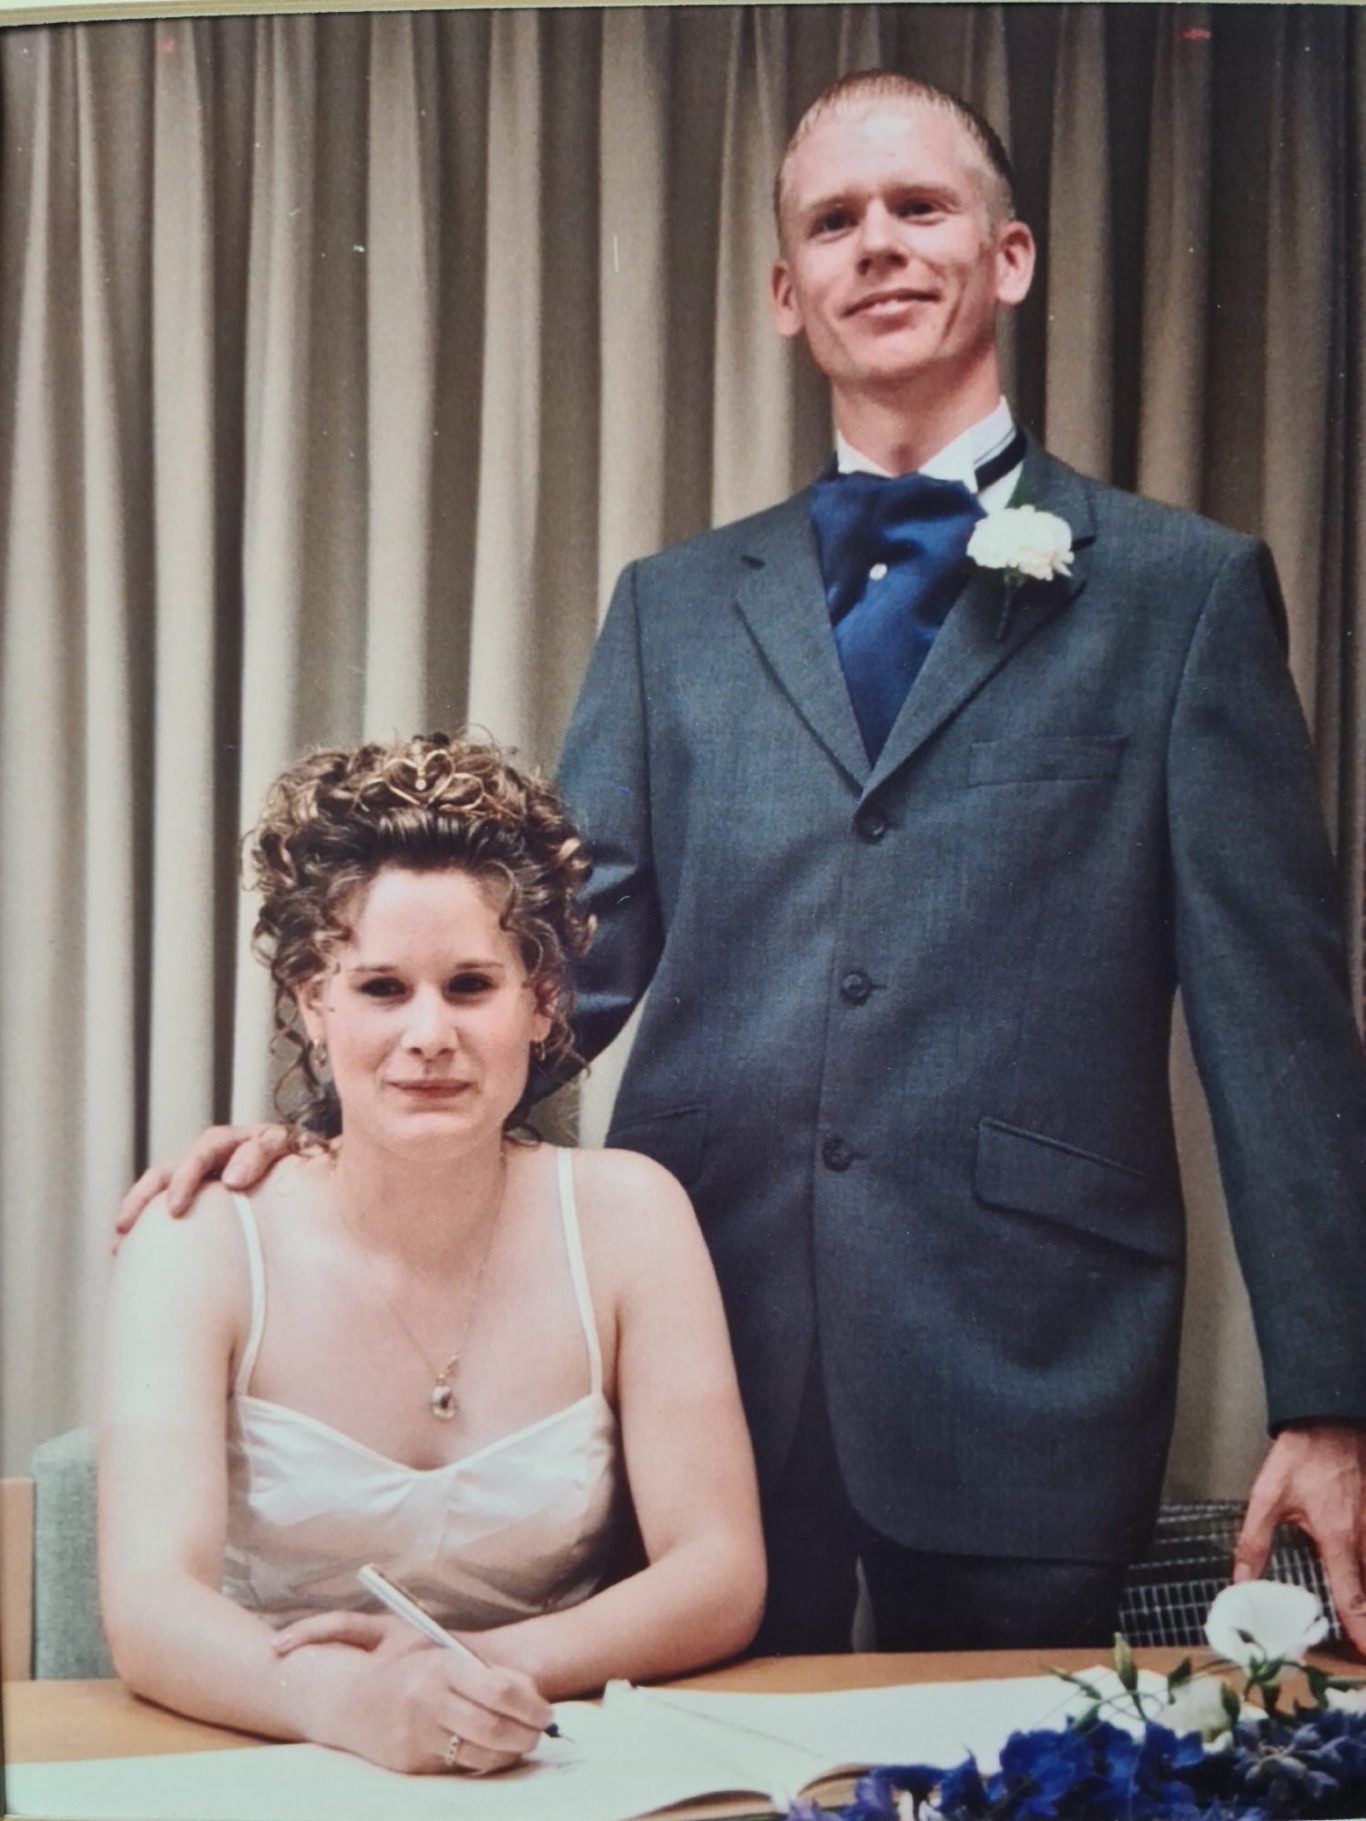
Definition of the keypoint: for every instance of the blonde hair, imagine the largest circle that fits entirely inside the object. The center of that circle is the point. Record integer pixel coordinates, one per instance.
(431, 803)
(862, 90)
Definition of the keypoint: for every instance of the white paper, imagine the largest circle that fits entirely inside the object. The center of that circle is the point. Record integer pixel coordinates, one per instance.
(642, 1749)
(593, 1773)
(924, 1723)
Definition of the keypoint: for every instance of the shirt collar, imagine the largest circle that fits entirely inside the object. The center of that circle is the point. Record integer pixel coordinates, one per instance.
(956, 461)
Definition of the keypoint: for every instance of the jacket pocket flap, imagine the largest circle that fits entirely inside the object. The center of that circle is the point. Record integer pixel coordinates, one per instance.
(1093, 1196)
(672, 1136)
(1045, 758)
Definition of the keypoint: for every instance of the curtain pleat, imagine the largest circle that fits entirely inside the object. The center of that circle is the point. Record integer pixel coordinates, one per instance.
(400, 261)
(1350, 643)
(504, 614)
(985, 82)
(859, 31)
(277, 542)
(184, 860)
(633, 188)
(43, 872)
(1171, 427)
(1079, 424)
(752, 405)
(98, 922)
(1301, 250)
(344, 361)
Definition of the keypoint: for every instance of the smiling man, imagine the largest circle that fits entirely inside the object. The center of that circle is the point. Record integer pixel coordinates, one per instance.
(912, 810)
(898, 244)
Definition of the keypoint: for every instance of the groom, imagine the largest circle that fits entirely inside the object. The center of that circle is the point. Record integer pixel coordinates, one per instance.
(911, 834)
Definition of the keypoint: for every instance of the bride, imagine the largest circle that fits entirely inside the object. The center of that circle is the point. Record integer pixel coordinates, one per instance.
(490, 1366)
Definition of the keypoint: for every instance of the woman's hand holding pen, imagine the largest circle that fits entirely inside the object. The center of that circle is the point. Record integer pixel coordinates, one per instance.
(417, 1708)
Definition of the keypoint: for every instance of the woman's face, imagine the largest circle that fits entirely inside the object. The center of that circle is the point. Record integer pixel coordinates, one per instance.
(427, 1013)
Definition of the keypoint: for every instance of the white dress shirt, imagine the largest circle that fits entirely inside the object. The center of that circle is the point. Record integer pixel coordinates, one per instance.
(956, 461)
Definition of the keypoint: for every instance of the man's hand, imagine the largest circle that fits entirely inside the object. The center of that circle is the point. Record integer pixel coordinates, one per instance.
(1314, 1476)
(242, 1154)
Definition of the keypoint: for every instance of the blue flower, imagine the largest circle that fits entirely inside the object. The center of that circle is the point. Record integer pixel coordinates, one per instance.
(963, 1792)
(876, 1795)
(1307, 1765)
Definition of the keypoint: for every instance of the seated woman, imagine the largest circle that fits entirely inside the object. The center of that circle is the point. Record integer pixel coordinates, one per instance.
(464, 1356)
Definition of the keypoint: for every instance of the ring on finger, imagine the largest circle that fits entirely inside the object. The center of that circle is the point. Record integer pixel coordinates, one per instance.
(450, 1757)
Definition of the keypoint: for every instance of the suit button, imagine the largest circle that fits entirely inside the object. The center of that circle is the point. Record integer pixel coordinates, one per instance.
(836, 1155)
(855, 987)
(870, 824)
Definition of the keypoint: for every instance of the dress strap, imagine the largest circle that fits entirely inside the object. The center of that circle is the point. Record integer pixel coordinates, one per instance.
(257, 1270)
(573, 1245)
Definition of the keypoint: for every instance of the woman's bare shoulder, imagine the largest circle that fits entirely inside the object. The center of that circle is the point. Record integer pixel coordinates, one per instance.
(636, 1216)
(210, 1223)
(294, 1190)
(192, 1268)
(626, 1185)
(641, 1233)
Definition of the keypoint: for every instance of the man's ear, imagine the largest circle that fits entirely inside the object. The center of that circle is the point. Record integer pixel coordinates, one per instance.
(1015, 254)
(782, 297)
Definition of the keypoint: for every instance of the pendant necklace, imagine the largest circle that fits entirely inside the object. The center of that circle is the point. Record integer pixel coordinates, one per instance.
(441, 1399)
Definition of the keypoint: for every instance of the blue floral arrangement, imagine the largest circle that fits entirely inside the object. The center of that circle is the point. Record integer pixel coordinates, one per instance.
(1194, 1748)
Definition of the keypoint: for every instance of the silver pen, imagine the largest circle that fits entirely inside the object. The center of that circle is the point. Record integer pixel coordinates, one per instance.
(401, 1602)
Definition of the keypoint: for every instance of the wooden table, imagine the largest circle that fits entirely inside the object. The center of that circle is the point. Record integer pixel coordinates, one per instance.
(48, 1721)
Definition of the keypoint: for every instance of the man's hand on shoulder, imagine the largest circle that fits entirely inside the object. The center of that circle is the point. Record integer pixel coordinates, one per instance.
(240, 1154)
(1314, 1476)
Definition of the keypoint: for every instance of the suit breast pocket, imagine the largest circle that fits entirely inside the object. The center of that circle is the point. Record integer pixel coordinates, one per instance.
(673, 1137)
(1046, 758)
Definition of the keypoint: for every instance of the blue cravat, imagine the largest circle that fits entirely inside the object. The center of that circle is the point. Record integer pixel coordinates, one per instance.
(891, 550)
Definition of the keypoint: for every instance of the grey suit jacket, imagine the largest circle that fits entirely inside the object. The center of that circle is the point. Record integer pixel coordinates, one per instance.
(906, 1036)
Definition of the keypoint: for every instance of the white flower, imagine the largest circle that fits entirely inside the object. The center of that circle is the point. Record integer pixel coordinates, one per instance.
(1120, 1704)
(1353, 1699)
(1022, 541)
(1262, 1621)
(1197, 1706)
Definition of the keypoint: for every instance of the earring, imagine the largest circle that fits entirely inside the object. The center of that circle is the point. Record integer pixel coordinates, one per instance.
(538, 1049)
(317, 1055)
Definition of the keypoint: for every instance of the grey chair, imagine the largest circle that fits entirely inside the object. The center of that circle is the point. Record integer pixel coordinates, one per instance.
(68, 1639)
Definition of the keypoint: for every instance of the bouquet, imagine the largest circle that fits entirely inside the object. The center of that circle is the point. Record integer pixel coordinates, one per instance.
(1196, 1747)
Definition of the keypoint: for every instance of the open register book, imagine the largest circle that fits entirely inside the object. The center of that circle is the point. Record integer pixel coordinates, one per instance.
(642, 1750)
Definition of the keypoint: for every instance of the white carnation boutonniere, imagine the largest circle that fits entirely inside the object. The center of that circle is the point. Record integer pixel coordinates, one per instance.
(1024, 544)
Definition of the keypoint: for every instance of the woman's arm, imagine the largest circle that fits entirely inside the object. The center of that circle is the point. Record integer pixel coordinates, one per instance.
(688, 1455)
(177, 1311)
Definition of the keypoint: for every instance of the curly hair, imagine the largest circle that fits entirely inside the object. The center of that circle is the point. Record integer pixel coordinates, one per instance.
(431, 803)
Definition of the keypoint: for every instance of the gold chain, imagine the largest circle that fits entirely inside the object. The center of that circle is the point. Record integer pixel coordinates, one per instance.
(441, 1398)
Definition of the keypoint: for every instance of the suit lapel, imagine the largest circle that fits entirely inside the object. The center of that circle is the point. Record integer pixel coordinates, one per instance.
(781, 598)
(969, 649)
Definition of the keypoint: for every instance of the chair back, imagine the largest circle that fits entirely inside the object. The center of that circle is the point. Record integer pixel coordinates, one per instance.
(68, 1639)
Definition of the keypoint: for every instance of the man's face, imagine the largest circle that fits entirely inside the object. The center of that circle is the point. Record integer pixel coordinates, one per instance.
(892, 266)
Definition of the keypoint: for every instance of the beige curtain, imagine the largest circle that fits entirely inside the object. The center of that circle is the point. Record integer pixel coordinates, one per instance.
(343, 360)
